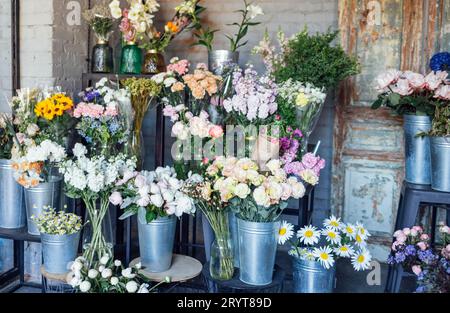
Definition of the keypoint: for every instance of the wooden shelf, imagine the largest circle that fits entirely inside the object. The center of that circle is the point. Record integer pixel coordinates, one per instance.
(18, 234)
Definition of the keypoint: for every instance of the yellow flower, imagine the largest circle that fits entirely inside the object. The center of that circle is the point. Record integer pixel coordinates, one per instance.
(41, 107)
(302, 100)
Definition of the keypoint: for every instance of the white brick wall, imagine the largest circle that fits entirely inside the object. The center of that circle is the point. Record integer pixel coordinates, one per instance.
(5, 53)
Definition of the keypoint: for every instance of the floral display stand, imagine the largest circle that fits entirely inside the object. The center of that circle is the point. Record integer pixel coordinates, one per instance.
(235, 285)
(183, 269)
(55, 283)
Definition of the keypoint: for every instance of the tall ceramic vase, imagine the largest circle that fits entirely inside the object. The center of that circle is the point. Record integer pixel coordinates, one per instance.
(12, 205)
(417, 149)
(43, 195)
(156, 240)
(219, 59)
(257, 251)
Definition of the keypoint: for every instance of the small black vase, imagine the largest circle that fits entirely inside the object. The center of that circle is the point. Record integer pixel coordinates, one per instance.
(102, 58)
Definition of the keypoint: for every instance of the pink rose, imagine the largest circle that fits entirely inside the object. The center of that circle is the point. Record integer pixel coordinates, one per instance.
(401, 238)
(395, 245)
(447, 248)
(140, 181)
(387, 78)
(445, 229)
(116, 198)
(443, 92)
(216, 131)
(434, 80)
(422, 245)
(402, 87)
(21, 137)
(407, 231)
(414, 232)
(418, 229)
(424, 237)
(416, 269)
(416, 80)
(398, 233)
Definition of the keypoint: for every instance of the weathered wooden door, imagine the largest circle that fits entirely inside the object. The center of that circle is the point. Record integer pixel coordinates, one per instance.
(368, 163)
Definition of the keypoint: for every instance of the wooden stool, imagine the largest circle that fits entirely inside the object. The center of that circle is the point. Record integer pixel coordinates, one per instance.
(411, 198)
(55, 283)
(183, 268)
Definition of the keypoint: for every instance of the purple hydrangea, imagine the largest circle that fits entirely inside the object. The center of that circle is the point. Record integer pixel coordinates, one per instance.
(410, 250)
(400, 257)
(427, 256)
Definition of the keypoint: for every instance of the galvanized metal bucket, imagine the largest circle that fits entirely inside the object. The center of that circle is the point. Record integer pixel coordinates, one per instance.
(257, 251)
(12, 203)
(440, 163)
(312, 277)
(234, 232)
(43, 195)
(58, 251)
(156, 241)
(218, 59)
(417, 149)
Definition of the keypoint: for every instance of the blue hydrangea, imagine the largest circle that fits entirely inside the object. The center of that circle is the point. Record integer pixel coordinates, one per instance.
(390, 260)
(400, 257)
(440, 61)
(114, 127)
(427, 256)
(410, 250)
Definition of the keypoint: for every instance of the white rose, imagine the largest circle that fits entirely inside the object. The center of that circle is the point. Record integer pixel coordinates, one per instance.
(138, 265)
(92, 273)
(273, 165)
(242, 191)
(261, 197)
(107, 273)
(127, 273)
(104, 260)
(298, 190)
(117, 263)
(180, 131)
(75, 282)
(32, 130)
(114, 281)
(76, 266)
(168, 196)
(157, 200)
(275, 191)
(168, 82)
(85, 286)
(159, 78)
(131, 286)
(101, 268)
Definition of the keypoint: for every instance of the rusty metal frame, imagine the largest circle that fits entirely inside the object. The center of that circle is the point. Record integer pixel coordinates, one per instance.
(15, 45)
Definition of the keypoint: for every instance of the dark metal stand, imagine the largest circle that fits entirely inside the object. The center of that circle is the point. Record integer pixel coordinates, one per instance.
(411, 198)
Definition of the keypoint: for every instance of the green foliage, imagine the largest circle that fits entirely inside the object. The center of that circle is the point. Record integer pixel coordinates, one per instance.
(246, 209)
(205, 37)
(313, 59)
(441, 122)
(414, 104)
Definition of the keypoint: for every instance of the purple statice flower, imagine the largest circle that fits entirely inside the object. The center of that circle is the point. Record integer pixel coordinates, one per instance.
(285, 143)
(410, 250)
(399, 257)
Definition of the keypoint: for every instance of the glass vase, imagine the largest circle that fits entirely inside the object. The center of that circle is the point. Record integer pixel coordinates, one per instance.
(97, 232)
(102, 58)
(221, 266)
(153, 62)
(135, 148)
(131, 61)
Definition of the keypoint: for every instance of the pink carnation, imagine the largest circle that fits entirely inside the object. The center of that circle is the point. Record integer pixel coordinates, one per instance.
(402, 87)
(111, 110)
(422, 245)
(216, 131)
(443, 92)
(386, 79)
(434, 80)
(417, 269)
(181, 67)
(416, 80)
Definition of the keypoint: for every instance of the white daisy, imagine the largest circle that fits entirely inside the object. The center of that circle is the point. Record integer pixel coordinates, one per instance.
(309, 235)
(360, 240)
(362, 231)
(349, 230)
(285, 233)
(331, 235)
(344, 251)
(324, 256)
(361, 260)
(332, 222)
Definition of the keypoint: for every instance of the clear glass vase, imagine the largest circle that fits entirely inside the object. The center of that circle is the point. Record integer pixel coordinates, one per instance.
(135, 147)
(221, 266)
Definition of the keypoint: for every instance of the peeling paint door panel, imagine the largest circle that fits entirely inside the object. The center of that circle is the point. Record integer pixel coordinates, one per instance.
(368, 160)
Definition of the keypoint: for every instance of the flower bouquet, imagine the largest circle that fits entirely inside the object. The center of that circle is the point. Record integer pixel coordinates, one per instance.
(93, 180)
(156, 197)
(411, 93)
(104, 118)
(60, 235)
(412, 250)
(7, 135)
(108, 276)
(142, 91)
(319, 249)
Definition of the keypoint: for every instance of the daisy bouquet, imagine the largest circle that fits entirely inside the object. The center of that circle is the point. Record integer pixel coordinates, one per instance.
(334, 240)
(300, 105)
(412, 249)
(94, 180)
(108, 276)
(142, 91)
(57, 223)
(254, 195)
(155, 194)
(412, 93)
(34, 163)
(104, 117)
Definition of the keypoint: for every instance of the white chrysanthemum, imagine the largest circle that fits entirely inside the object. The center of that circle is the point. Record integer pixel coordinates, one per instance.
(114, 281)
(332, 222)
(331, 235)
(131, 286)
(85, 286)
(344, 251)
(309, 235)
(361, 260)
(92, 273)
(285, 233)
(117, 263)
(107, 272)
(362, 231)
(324, 256)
